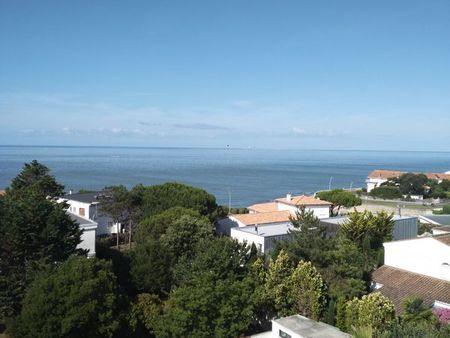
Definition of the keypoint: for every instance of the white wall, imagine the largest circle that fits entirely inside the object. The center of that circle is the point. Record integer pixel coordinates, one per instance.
(249, 238)
(374, 182)
(425, 256)
(88, 239)
(320, 211)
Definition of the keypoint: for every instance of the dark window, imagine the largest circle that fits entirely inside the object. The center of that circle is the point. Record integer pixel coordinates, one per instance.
(283, 334)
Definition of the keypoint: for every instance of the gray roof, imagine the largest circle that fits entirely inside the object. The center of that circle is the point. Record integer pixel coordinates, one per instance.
(342, 219)
(81, 221)
(267, 230)
(89, 197)
(309, 328)
(437, 219)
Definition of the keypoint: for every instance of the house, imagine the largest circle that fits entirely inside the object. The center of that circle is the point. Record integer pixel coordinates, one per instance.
(89, 233)
(405, 227)
(416, 267)
(301, 327)
(378, 177)
(263, 236)
(87, 206)
(276, 212)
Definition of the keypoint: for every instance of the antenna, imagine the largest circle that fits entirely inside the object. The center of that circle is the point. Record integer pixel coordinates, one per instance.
(229, 201)
(329, 183)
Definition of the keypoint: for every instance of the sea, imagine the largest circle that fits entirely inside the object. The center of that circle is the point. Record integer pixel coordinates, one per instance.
(242, 176)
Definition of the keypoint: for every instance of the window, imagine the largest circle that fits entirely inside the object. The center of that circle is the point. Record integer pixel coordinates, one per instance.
(81, 211)
(283, 334)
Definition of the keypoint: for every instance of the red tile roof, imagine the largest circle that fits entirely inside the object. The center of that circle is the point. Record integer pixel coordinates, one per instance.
(263, 217)
(399, 284)
(302, 200)
(264, 207)
(386, 174)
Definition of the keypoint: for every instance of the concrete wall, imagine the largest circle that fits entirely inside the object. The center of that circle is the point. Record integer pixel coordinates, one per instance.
(426, 256)
(249, 238)
(88, 239)
(374, 182)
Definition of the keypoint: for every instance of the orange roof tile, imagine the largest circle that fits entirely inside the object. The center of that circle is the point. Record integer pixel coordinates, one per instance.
(264, 207)
(386, 174)
(263, 217)
(302, 200)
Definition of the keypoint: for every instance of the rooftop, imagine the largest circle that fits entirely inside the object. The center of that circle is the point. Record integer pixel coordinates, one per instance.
(267, 230)
(399, 284)
(89, 197)
(309, 328)
(302, 200)
(81, 221)
(264, 207)
(436, 219)
(342, 219)
(386, 174)
(263, 217)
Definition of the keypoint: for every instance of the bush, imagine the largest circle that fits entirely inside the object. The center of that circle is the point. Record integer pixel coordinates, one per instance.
(386, 192)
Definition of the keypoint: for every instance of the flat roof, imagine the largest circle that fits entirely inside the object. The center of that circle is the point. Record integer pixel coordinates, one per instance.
(309, 328)
(342, 219)
(267, 230)
(88, 197)
(439, 219)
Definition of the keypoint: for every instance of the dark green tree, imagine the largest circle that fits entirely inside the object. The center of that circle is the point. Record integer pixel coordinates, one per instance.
(339, 198)
(34, 231)
(77, 298)
(36, 177)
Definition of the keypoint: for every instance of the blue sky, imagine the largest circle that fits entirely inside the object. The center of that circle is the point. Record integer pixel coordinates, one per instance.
(263, 74)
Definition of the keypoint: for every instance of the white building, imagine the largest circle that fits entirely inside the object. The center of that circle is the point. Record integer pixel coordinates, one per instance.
(263, 236)
(378, 177)
(301, 327)
(417, 267)
(87, 206)
(89, 233)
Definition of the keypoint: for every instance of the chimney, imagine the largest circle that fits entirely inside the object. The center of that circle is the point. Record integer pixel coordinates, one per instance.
(288, 196)
(70, 192)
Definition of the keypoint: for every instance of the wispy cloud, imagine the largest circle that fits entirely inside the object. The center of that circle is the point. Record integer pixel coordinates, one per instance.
(242, 103)
(200, 126)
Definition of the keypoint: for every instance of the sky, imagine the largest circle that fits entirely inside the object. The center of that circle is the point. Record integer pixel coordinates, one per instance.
(246, 74)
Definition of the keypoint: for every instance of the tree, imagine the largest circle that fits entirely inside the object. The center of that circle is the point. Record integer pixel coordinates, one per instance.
(182, 236)
(158, 198)
(74, 299)
(153, 227)
(339, 198)
(386, 192)
(412, 184)
(414, 312)
(35, 177)
(145, 311)
(34, 230)
(207, 307)
(373, 310)
(151, 267)
(308, 291)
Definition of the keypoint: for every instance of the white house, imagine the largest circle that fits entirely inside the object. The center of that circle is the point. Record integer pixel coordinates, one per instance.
(301, 327)
(89, 233)
(378, 177)
(417, 267)
(86, 205)
(263, 236)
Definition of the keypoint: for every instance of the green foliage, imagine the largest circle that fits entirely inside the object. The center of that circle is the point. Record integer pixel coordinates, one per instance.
(373, 310)
(414, 312)
(158, 198)
(386, 192)
(154, 226)
(182, 236)
(151, 267)
(295, 290)
(145, 311)
(207, 307)
(445, 210)
(34, 231)
(75, 299)
(35, 178)
(308, 291)
(339, 198)
(412, 184)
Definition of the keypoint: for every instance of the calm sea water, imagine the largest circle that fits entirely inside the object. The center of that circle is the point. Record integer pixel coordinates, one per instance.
(249, 175)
